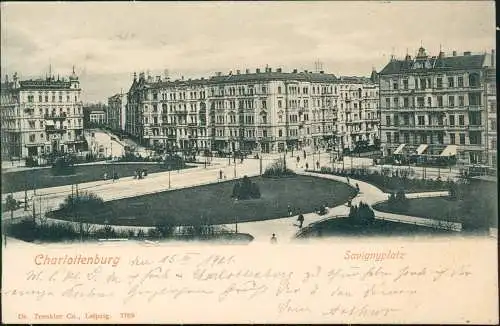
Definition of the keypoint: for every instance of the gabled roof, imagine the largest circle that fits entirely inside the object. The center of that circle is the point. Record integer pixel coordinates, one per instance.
(435, 63)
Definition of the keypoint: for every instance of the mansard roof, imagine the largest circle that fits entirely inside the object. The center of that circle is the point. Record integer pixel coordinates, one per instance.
(464, 62)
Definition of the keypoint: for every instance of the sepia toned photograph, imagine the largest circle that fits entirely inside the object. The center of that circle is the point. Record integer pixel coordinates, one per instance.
(262, 162)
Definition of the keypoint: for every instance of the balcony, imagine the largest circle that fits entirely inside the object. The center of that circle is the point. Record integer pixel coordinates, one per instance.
(54, 129)
(475, 107)
(54, 116)
(475, 127)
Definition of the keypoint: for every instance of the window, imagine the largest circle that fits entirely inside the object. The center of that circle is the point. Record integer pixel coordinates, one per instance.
(420, 102)
(388, 136)
(46, 98)
(30, 98)
(451, 82)
(388, 102)
(396, 137)
(405, 83)
(395, 85)
(451, 101)
(406, 102)
(452, 139)
(421, 120)
(452, 120)
(493, 124)
(387, 120)
(474, 80)
(423, 83)
(280, 133)
(406, 137)
(396, 103)
(39, 98)
(461, 101)
(462, 139)
(474, 98)
(475, 118)
(439, 83)
(60, 98)
(32, 138)
(440, 139)
(460, 81)
(429, 102)
(493, 144)
(440, 101)
(475, 137)
(279, 103)
(279, 91)
(53, 98)
(461, 121)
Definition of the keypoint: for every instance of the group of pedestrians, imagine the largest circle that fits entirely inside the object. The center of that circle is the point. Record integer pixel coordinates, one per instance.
(114, 176)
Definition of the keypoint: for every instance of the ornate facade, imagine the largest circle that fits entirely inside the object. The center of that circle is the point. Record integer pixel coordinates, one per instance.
(264, 110)
(440, 106)
(41, 116)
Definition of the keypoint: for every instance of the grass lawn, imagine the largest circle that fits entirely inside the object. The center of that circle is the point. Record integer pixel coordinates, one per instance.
(346, 227)
(214, 203)
(43, 178)
(438, 208)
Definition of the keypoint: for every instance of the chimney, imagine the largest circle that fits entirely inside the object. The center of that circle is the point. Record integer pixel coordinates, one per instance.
(305, 71)
(238, 72)
(467, 53)
(278, 70)
(257, 70)
(454, 53)
(158, 79)
(493, 58)
(295, 71)
(441, 54)
(322, 72)
(182, 77)
(247, 71)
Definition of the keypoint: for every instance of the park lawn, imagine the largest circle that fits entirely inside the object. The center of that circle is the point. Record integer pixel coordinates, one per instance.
(214, 203)
(43, 178)
(438, 208)
(346, 227)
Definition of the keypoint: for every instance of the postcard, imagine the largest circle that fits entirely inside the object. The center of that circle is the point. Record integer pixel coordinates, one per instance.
(223, 162)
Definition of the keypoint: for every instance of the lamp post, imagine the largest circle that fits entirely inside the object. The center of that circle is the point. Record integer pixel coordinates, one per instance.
(234, 165)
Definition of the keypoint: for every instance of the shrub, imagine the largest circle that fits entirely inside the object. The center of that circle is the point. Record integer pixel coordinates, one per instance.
(63, 165)
(362, 214)
(278, 169)
(246, 189)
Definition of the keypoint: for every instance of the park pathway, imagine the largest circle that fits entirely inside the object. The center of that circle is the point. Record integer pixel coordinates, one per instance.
(285, 228)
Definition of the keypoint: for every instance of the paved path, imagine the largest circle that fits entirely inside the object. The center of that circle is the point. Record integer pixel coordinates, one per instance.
(285, 229)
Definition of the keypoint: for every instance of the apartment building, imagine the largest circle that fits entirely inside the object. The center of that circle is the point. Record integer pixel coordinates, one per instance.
(266, 110)
(41, 116)
(116, 111)
(439, 106)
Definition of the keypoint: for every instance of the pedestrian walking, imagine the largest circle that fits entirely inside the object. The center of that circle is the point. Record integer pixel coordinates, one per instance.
(347, 177)
(317, 165)
(300, 219)
(220, 174)
(105, 176)
(357, 187)
(305, 156)
(289, 210)
(307, 166)
(274, 240)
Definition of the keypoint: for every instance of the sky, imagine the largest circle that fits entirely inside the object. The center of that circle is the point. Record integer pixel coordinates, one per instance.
(108, 41)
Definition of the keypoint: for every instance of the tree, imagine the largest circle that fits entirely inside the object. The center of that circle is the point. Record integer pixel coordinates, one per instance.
(11, 205)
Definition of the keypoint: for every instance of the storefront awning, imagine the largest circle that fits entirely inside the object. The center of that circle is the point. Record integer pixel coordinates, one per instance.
(399, 150)
(421, 149)
(450, 150)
